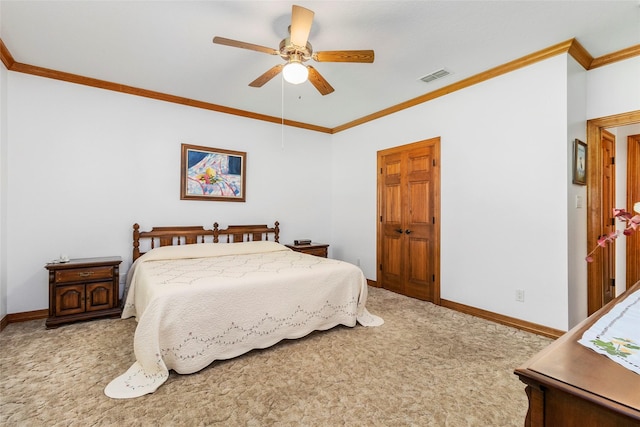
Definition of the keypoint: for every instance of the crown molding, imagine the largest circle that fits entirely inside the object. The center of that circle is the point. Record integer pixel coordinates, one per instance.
(5, 56)
(572, 47)
(619, 55)
(580, 54)
(532, 58)
(19, 67)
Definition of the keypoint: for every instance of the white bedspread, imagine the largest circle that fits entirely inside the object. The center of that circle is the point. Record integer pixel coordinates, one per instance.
(198, 303)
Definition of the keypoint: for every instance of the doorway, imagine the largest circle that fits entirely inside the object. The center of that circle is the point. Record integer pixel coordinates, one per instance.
(595, 210)
(408, 232)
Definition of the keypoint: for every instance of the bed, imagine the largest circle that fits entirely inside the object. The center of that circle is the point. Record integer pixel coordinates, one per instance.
(202, 295)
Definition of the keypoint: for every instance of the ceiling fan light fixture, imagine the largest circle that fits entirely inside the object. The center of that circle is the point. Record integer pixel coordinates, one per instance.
(295, 72)
(295, 50)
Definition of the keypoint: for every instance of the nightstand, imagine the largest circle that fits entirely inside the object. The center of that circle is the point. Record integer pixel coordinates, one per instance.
(83, 289)
(317, 249)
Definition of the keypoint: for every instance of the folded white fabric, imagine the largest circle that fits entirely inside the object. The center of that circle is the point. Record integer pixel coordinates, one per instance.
(617, 333)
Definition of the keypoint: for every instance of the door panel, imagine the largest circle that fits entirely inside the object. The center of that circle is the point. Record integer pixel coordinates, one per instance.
(419, 279)
(420, 225)
(70, 299)
(419, 202)
(608, 204)
(408, 251)
(633, 196)
(99, 296)
(393, 211)
(392, 231)
(392, 274)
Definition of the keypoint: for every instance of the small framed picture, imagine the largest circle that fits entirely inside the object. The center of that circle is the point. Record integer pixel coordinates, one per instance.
(579, 162)
(212, 174)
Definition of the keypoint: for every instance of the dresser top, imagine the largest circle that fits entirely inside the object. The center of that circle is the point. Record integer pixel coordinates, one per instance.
(579, 370)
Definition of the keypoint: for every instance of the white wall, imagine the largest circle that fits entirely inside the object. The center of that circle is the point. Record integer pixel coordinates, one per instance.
(613, 89)
(504, 193)
(3, 190)
(577, 194)
(86, 164)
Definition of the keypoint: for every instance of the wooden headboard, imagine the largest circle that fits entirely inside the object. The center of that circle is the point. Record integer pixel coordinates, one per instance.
(187, 235)
(246, 233)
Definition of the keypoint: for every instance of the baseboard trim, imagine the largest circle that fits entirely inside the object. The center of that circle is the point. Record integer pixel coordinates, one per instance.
(23, 317)
(503, 320)
(495, 317)
(473, 311)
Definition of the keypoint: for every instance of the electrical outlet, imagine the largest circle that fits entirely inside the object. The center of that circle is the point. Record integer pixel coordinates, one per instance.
(520, 295)
(358, 262)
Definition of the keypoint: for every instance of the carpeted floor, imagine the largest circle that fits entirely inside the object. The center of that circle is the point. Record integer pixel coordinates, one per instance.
(426, 366)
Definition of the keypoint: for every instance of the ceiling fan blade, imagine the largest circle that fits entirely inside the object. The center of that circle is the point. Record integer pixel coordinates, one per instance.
(319, 82)
(344, 56)
(301, 20)
(271, 73)
(243, 45)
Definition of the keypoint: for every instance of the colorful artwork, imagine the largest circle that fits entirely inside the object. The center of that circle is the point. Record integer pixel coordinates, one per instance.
(579, 162)
(212, 174)
(617, 346)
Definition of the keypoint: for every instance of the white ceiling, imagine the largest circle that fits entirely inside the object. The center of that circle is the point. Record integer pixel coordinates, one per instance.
(166, 46)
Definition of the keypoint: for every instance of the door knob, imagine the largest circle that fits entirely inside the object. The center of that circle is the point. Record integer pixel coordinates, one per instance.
(408, 231)
(399, 230)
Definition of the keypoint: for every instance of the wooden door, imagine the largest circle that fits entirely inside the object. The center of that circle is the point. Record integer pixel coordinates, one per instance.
(633, 196)
(608, 204)
(408, 223)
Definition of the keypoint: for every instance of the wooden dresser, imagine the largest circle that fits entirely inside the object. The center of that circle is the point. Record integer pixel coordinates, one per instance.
(83, 289)
(317, 249)
(571, 385)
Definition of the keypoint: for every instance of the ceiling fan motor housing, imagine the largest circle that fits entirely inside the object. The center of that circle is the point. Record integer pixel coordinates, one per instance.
(288, 50)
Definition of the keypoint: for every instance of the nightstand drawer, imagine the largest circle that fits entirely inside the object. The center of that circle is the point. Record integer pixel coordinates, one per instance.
(321, 252)
(82, 274)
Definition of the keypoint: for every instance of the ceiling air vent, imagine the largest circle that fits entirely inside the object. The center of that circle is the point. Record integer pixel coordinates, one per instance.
(435, 75)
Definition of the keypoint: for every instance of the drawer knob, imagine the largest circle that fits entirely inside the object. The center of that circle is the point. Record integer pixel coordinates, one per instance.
(85, 273)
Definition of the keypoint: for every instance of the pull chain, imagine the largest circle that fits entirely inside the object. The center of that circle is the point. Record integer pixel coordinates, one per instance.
(282, 111)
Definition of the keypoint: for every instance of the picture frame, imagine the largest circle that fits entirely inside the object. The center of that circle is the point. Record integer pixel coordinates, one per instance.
(213, 174)
(579, 162)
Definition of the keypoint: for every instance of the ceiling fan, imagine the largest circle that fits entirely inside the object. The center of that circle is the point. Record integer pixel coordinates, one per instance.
(296, 50)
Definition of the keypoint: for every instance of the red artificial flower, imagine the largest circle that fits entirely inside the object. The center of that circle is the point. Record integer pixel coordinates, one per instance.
(633, 223)
(621, 214)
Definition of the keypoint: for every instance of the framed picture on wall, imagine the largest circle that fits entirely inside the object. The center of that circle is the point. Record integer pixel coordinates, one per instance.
(579, 162)
(212, 174)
